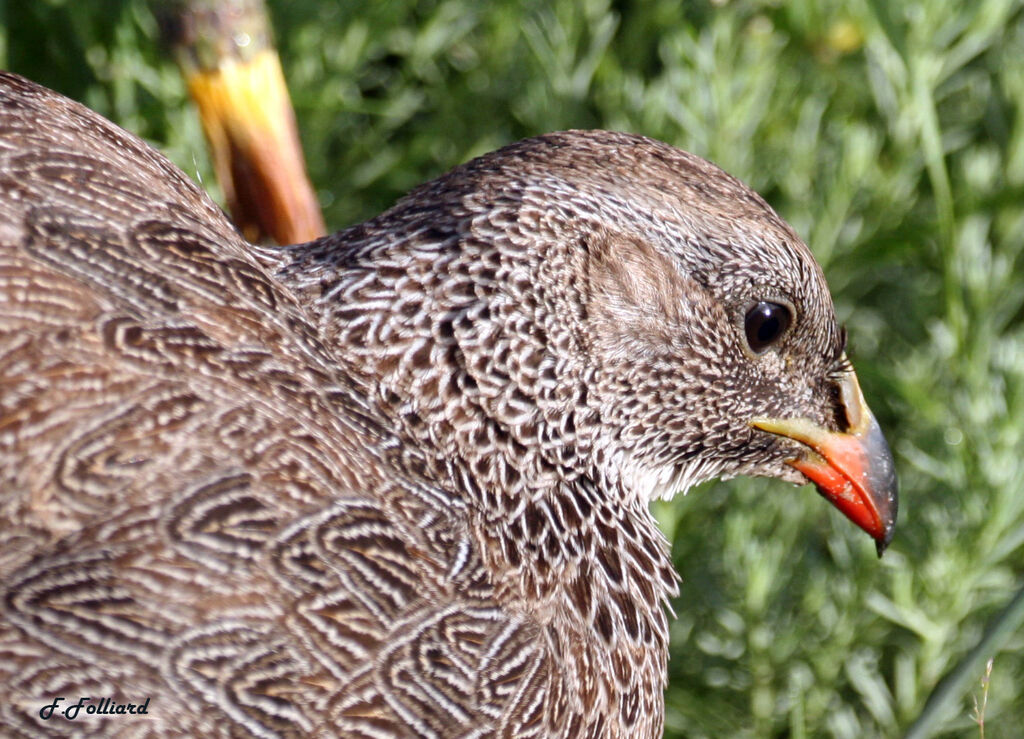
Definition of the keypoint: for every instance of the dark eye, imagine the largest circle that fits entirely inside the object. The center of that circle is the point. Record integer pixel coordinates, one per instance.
(765, 324)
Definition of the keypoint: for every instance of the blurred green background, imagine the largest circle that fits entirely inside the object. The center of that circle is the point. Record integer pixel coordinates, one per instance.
(891, 135)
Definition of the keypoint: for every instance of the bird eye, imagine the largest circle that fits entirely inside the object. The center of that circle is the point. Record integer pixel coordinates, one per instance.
(765, 324)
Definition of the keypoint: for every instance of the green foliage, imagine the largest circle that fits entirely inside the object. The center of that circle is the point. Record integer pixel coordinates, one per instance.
(891, 135)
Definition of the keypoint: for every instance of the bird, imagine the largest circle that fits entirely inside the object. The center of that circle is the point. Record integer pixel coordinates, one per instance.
(393, 482)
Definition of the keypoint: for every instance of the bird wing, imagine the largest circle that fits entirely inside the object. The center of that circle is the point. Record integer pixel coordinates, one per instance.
(195, 508)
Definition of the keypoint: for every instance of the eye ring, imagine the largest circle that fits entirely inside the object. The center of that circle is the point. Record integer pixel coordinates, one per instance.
(765, 323)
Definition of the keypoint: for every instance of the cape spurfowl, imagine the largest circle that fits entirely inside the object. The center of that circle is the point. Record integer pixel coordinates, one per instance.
(393, 482)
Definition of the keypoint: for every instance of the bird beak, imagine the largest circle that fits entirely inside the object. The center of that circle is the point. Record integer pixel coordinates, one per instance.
(852, 469)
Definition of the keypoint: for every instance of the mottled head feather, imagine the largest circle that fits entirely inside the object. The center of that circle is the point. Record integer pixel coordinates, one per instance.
(584, 262)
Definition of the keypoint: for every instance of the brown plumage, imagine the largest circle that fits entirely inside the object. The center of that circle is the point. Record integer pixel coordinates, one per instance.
(393, 482)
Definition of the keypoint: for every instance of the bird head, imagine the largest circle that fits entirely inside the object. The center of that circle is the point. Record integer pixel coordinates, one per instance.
(708, 328)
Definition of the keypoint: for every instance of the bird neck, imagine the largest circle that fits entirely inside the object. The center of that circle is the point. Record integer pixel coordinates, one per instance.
(488, 387)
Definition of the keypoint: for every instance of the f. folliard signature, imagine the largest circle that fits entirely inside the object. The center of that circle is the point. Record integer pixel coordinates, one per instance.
(91, 707)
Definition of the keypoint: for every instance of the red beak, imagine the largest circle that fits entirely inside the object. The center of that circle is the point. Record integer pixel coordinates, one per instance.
(853, 469)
